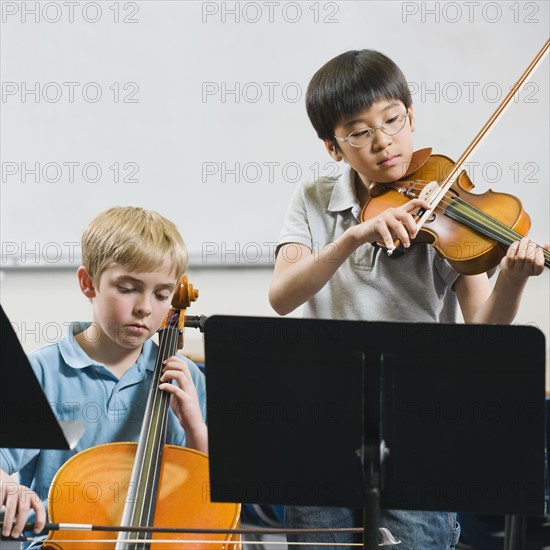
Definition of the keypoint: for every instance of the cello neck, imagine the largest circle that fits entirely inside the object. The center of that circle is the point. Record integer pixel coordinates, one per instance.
(139, 509)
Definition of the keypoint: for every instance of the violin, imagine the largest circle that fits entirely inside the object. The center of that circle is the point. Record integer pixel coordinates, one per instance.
(143, 484)
(472, 232)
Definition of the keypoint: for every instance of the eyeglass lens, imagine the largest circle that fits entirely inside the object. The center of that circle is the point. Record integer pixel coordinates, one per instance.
(391, 127)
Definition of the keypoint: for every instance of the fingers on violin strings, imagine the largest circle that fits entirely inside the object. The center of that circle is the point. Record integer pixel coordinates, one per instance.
(512, 251)
(522, 250)
(527, 251)
(538, 257)
(527, 255)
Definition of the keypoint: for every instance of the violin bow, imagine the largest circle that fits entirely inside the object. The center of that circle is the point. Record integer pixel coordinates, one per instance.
(434, 199)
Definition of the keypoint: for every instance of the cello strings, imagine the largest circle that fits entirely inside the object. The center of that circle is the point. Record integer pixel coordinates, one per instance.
(163, 406)
(151, 446)
(163, 399)
(160, 408)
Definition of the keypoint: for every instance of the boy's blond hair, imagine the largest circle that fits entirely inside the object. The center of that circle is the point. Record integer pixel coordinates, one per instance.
(138, 239)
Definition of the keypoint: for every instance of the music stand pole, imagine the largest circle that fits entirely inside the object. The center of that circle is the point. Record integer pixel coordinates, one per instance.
(371, 510)
(373, 449)
(514, 533)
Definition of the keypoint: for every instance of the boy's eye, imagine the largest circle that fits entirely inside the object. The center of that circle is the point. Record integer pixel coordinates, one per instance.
(392, 119)
(125, 289)
(163, 297)
(361, 133)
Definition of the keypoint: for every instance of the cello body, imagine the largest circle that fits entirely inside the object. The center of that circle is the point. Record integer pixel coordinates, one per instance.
(144, 484)
(95, 485)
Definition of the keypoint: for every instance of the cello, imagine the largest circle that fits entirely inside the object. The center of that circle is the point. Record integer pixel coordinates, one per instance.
(143, 484)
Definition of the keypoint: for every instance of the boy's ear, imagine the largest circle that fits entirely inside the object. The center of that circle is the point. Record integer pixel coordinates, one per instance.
(333, 150)
(86, 283)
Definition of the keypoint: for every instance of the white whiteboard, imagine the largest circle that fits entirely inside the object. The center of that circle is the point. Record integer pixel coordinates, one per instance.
(196, 110)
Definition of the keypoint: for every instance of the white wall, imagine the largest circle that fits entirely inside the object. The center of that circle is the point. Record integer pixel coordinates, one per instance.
(163, 110)
(40, 303)
(196, 109)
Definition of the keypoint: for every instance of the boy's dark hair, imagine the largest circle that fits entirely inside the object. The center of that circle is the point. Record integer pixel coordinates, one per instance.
(350, 83)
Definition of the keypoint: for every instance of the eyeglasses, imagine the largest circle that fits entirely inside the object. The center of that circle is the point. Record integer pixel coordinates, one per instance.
(360, 138)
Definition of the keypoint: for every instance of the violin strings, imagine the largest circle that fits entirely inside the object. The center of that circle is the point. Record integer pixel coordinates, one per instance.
(478, 219)
(465, 213)
(452, 204)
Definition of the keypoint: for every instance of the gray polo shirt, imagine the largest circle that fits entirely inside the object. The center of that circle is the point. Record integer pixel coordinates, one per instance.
(369, 285)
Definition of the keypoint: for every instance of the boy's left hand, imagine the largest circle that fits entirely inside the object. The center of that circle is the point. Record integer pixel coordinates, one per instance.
(183, 396)
(524, 259)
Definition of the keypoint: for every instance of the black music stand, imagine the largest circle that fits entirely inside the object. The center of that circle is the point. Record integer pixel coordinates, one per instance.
(26, 418)
(444, 417)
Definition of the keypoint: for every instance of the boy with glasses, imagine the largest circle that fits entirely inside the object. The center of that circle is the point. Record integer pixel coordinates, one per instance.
(360, 105)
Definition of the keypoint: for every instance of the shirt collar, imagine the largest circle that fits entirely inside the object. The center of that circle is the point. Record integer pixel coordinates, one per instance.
(75, 357)
(344, 195)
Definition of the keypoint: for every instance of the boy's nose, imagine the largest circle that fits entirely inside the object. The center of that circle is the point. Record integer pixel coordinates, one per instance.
(143, 306)
(380, 140)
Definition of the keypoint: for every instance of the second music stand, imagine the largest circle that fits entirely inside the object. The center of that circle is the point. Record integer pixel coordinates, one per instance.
(26, 418)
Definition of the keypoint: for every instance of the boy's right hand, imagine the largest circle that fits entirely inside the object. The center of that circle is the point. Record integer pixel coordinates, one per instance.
(300, 274)
(18, 501)
(393, 224)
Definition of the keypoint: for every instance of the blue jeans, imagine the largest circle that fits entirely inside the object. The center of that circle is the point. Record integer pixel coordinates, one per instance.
(416, 530)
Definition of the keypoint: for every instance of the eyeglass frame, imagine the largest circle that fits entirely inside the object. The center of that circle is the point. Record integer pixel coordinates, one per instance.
(372, 132)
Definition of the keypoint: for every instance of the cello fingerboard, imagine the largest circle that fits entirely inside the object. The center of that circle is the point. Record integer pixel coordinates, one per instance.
(147, 466)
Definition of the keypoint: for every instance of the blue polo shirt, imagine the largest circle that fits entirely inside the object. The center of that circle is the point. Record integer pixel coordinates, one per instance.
(79, 388)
